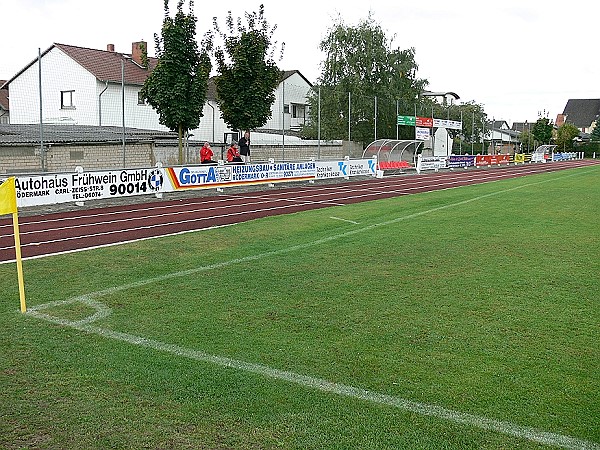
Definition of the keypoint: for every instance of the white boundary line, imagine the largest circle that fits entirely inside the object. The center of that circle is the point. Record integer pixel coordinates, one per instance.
(344, 220)
(319, 384)
(322, 385)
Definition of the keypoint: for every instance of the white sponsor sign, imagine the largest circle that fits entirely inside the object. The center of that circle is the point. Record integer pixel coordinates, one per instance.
(201, 177)
(346, 168)
(431, 163)
(443, 123)
(538, 157)
(82, 186)
(422, 134)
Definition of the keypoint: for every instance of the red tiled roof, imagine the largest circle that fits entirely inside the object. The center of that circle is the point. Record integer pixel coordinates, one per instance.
(3, 96)
(106, 66)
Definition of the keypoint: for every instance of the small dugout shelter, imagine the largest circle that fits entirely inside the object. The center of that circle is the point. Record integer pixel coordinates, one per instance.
(393, 154)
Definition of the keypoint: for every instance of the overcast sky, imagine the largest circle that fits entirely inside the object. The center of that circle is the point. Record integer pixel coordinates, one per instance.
(516, 57)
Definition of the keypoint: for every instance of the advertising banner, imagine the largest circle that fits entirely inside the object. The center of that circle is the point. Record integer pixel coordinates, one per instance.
(564, 156)
(428, 122)
(81, 186)
(346, 168)
(361, 167)
(491, 160)
(519, 158)
(202, 177)
(443, 123)
(538, 157)
(406, 120)
(424, 122)
(456, 161)
(431, 163)
(422, 134)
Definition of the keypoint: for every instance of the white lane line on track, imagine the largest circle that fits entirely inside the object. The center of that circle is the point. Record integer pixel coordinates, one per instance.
(174, 213)
(297, 201)
(113, 244)
(157, 225)
(425, 409)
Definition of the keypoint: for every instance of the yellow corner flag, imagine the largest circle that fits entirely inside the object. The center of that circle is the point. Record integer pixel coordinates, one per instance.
(8, 205)
(8, 197)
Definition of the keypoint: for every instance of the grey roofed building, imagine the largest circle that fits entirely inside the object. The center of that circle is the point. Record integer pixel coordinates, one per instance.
(522, 126)
(582, 113)
(498, 124)
(17, 135)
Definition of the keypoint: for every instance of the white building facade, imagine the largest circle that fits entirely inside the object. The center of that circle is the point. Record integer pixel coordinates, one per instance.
(94, 87)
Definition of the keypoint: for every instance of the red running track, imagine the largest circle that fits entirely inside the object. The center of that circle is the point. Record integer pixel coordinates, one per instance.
(78, 230)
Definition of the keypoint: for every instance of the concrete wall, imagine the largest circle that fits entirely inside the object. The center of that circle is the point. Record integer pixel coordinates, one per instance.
(64, 158)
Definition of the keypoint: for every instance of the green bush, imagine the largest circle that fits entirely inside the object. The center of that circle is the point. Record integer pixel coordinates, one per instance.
(589, 149)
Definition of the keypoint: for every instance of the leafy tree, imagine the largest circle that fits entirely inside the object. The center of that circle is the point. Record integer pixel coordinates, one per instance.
(565, 135)
(595, 136)
(527, 141)
(360, 66)
(177, 86)
(542, 130)
(247, 72)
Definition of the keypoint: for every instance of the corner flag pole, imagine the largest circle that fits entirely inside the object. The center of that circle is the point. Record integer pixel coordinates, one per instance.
(19, 262)
(8, 205)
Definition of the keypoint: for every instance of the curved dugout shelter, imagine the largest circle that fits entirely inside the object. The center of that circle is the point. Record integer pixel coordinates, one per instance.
(393, 154)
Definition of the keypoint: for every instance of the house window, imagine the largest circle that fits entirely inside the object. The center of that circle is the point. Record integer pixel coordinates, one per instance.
(66, 100)
(298, 111)
(141, 99)
(286, 109)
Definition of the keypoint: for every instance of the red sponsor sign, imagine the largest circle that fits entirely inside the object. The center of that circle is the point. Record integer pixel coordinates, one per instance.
(492, 160)
(425, 122)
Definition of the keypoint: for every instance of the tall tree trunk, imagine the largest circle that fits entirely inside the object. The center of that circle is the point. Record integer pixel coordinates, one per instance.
(179, 132)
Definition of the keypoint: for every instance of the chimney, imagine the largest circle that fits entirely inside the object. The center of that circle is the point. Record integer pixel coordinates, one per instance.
(110, 48)
(139, 52)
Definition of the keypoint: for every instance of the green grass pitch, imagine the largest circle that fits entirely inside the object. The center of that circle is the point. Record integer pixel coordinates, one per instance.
(460, 319)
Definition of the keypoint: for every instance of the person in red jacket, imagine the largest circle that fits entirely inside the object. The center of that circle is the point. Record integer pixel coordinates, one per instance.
(233, 154)
(206, 154)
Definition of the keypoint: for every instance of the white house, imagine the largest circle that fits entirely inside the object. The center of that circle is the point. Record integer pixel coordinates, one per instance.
(101, 87)
(289, 111)
(290, 107)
